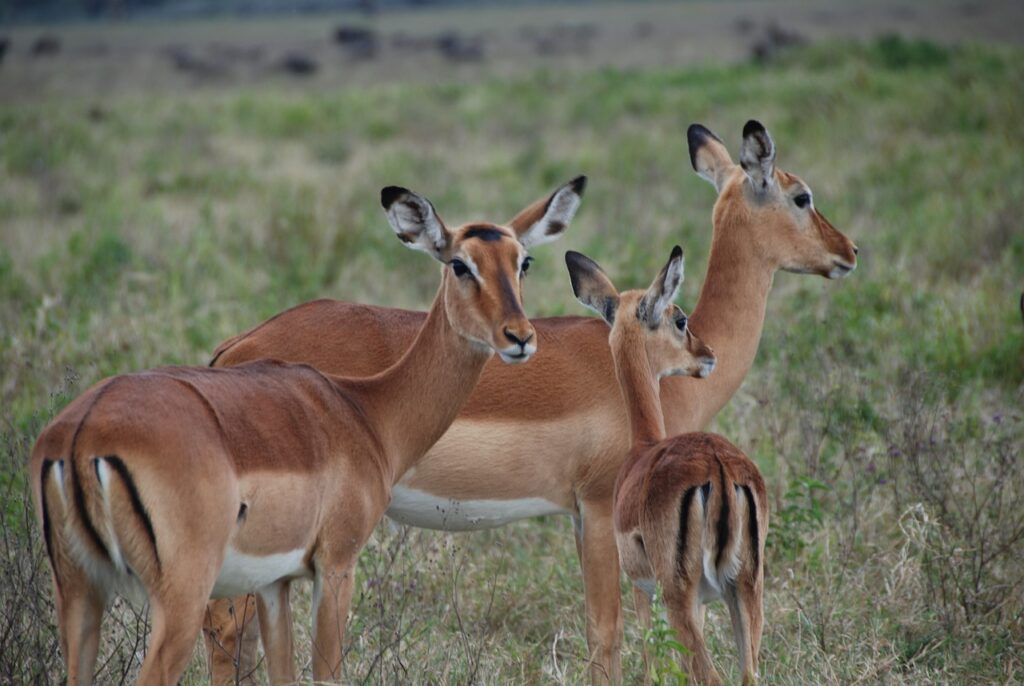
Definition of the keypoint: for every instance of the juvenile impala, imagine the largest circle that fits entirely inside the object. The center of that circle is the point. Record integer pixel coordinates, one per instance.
(691, 512)
(554, 455)
(179, 483)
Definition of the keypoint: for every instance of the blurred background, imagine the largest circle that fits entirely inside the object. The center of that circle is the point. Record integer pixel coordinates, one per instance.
(173, 172)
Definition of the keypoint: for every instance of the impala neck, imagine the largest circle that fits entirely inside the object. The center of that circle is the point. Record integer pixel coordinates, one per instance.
(639, 390)
(414, 401)
(729, 317)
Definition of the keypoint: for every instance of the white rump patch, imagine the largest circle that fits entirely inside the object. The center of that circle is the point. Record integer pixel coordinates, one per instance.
(242, 573)
(428, 511)
(710, 575)
(116, 556)
(58, 479)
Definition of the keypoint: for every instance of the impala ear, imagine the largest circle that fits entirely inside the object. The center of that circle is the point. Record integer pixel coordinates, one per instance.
(757, 155)
(662, 291)
(591, 285)
(708, 155)
(415, 222)
(546, 219)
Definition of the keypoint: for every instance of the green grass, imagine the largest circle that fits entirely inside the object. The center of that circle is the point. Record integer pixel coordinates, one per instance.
(147, 232)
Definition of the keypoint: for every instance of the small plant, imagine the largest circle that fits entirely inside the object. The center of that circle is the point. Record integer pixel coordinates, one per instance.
(802, 514)
(663, 649)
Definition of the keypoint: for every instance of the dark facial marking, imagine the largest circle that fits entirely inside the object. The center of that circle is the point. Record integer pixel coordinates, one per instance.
(507, 293)
(484, 233)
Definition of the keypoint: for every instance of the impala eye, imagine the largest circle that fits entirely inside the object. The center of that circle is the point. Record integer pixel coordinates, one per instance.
(459, 267)
(526, 266)
(681, 321)
(802, 200)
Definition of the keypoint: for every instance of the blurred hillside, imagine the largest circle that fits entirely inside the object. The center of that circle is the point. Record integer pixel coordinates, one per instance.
(73, 10)
(329, 51)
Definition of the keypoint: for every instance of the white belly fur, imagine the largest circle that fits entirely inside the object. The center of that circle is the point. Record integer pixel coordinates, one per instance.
(428, 511)
(243, 573)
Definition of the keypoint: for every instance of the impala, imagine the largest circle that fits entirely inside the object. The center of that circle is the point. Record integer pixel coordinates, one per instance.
(690, 511)
(548, 452)
(176, 484)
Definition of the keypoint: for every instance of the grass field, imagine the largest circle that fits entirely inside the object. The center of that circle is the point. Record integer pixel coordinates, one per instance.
(885, 410)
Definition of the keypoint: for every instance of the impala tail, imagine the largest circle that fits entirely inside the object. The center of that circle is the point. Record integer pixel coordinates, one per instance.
(719, 525)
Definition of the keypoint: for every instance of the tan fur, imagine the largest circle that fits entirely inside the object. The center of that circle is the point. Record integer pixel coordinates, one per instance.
(557, 427)
(169, 473)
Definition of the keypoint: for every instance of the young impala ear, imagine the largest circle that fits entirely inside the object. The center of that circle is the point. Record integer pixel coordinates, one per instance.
(591, 285)
(708, 155)
(546, 219)
(662, 291)
(415, 222)
(757, 155)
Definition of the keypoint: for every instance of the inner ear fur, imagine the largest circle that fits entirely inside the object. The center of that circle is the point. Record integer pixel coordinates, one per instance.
(591, 285)
(663, 290)
(416, 222)
(708, 155)
(757, 155)
(546, 219)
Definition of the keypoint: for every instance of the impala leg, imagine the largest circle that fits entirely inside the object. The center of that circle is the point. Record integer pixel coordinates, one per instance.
(577, 531)
(231, 634)
(685, 614)
(177, 617)
(601, 586)
(755, 610)
(274, 609)
(642, 603)
(80, 610)
(332, 597)
(744, 604)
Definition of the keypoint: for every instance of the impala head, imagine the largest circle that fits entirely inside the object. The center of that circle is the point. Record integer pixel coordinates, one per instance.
(644, 320)
(775, 207)
(485, 262)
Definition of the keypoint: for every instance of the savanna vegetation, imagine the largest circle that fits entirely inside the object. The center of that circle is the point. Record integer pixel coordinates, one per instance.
(884, 410)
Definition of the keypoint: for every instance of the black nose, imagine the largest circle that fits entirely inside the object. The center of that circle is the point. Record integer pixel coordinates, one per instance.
(515, 339)
(856, 250)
